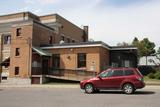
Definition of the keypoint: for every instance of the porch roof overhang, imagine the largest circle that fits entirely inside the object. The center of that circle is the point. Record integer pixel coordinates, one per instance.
(40, 51)
(6, 62)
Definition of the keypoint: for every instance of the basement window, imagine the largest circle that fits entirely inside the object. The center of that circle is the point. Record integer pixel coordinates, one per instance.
(16, 71)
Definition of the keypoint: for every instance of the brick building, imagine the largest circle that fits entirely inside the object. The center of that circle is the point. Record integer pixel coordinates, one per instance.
(38, 46)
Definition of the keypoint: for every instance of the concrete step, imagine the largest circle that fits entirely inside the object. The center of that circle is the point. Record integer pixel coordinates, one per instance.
(16, 81)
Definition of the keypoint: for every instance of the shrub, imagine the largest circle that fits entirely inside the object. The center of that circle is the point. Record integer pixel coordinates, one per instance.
(157, 75)
(151, 75)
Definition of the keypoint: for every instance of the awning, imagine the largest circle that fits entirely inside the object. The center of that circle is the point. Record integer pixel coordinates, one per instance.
(6, 62)
(41, 52)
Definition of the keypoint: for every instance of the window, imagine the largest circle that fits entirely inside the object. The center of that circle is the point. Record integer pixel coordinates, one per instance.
(16, 71)
(62, 38)
(73, 41)
(117, 73)
(81, 60)
(50, 40)
(18, 33)
(68, 40)
(106, 74)
(7, 39)
(128, 72)
(17, 52)
(56, 61)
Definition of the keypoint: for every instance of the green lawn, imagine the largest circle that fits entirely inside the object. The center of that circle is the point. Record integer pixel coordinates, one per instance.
(149, 81)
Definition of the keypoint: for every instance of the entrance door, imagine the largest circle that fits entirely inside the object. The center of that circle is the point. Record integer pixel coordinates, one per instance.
(45, 66)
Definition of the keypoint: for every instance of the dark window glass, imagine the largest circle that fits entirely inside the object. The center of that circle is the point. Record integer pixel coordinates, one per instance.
(56, 61)
(7, 39)
(128, 72)
(16, 70)
(50, 40)
(68, 40)
(81, 60)
(17, 52)
(18, 33)
(106, 74)
(73, 41)
(117, 73)
(62, 38)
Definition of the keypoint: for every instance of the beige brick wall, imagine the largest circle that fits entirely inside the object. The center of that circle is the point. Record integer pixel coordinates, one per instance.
(69, 29)
(92, 61)
(41, 35)
(104, 58)
(24, 60)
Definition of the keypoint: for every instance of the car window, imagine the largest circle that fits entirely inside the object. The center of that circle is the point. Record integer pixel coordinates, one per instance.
(117, 73)
(106, 74)
(128, 72)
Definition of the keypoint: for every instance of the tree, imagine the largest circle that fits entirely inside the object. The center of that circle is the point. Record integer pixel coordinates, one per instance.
(135, 41)
(158, 51)
(148, 48)
(145, 47)
(123, 44)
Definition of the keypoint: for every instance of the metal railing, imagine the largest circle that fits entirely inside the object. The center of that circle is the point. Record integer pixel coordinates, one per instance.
(65, 73)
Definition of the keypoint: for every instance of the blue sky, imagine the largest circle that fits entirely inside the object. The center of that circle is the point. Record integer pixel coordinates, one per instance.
(111, 21)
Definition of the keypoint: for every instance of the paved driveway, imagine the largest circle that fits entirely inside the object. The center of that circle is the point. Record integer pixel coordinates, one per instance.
(74, 97)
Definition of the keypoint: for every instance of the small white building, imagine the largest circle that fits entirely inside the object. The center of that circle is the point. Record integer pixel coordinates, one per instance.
(153, 60)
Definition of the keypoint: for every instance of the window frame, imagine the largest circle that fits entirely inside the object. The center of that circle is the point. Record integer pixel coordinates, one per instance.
(16, 70)
(18, 32)
(6, 40)
(129, 74)
(17, 52)
(81, 63)
(56, 58)
(117, 75)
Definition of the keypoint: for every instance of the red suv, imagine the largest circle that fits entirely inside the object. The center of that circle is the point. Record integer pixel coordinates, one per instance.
(125, 79)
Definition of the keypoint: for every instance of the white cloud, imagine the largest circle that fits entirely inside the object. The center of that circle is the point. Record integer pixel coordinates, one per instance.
(118, 24)
(108, 23)
(42, 2)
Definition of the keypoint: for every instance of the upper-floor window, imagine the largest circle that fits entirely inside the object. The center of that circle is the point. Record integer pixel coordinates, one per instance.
(7, 39)
(81, 60)
(17, 53)
(19, 32)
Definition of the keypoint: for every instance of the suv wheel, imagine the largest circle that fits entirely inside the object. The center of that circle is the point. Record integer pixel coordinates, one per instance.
(128, 88)
(89, 88)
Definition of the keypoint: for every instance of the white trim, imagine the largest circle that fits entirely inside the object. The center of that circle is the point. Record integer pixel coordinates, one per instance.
(48, 20)
(23, 24)
(123, 48)
(76, 46)
(13, 19)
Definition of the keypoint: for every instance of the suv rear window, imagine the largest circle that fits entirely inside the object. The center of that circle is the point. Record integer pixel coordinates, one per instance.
(128, 72)
(117, 73)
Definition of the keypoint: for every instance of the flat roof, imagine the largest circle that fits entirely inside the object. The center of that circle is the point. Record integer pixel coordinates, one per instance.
(87, 44)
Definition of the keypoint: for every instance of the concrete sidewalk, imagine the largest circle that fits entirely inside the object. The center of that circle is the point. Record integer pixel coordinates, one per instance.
(61, 86)
(42, 86)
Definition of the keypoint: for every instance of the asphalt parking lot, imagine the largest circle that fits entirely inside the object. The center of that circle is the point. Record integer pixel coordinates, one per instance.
(74, 97)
